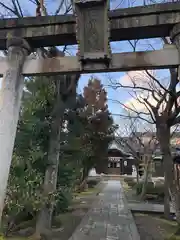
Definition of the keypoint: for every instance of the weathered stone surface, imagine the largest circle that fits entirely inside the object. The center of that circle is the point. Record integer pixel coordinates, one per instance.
(159, 59)
(92, 31)
(10, 101)
(147, 207)
(175, 38)
(126, 24)
(103, 221)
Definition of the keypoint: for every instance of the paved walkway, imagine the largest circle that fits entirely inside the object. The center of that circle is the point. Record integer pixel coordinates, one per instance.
(109, 217)
(148, 207)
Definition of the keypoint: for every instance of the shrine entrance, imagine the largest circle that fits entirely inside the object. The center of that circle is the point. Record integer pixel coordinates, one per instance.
(114, 164)
(92, 27)
(119, 163)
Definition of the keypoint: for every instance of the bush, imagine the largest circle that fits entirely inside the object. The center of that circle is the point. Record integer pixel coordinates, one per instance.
(151, 189)
(63, 200)
(130, 181)
(139, 188)
(173, 237)
(92, 183)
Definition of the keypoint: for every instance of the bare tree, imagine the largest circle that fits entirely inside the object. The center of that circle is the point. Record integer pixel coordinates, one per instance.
(160, 107)
(140, 142)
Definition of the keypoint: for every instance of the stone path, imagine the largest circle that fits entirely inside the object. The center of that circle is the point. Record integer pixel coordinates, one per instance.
(109, 218)
(148, 207)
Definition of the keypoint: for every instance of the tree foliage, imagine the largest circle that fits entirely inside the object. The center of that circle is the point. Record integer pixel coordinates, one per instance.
(87, 130)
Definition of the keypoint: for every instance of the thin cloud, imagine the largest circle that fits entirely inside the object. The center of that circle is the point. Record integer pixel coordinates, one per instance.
(138, 78)
(140, 88)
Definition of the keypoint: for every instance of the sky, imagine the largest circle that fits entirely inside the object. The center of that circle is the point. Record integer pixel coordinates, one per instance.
(119, 95)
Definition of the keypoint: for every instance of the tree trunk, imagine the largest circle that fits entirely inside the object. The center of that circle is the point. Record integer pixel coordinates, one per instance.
(102, 165)
(44, 219)
(43, 224)
(137, 174)
(163, 132)
(85, 173)
(10, 101)
(145, 182)
(175, 197)
(166, 198)
(83, 184)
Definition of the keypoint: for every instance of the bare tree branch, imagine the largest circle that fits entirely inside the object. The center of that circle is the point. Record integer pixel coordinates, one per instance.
(9, 9)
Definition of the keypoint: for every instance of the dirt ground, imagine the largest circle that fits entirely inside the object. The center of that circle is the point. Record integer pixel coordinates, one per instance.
(154, 227)
(150, 226)
(65, 224)
(68, 222)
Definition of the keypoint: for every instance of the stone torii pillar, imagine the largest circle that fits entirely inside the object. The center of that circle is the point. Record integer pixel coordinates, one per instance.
(10, 102)
(175, 38)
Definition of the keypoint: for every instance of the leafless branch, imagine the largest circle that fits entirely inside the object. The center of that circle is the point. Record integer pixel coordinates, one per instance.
(9, 9)
(138, 114)
(156, 80)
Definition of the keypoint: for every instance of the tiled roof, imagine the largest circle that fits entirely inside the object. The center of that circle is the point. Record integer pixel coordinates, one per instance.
(116, 144)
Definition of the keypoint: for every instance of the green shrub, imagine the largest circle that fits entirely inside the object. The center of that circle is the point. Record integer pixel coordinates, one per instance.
(63, 200)
(130, 181)
(151, 189)
(65, 187)
(138, 188)
(173, 238)
(92, 182)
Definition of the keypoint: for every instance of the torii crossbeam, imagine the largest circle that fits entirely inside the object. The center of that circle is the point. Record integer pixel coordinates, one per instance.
(125, 24)
(159, 59)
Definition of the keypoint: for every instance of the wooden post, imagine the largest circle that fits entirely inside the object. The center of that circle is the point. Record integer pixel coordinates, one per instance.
(10, 101)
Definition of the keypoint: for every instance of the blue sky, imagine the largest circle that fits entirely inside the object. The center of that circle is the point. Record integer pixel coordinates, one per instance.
(121, 95)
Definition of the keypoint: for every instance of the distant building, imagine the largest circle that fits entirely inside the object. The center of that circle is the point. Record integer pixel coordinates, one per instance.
(147, 144)
(119, 162)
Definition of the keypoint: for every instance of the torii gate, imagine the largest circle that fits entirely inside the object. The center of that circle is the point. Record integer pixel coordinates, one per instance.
(92, 28)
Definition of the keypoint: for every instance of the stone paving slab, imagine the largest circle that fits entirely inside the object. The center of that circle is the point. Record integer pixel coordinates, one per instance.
(109, 218)
(148, 207)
